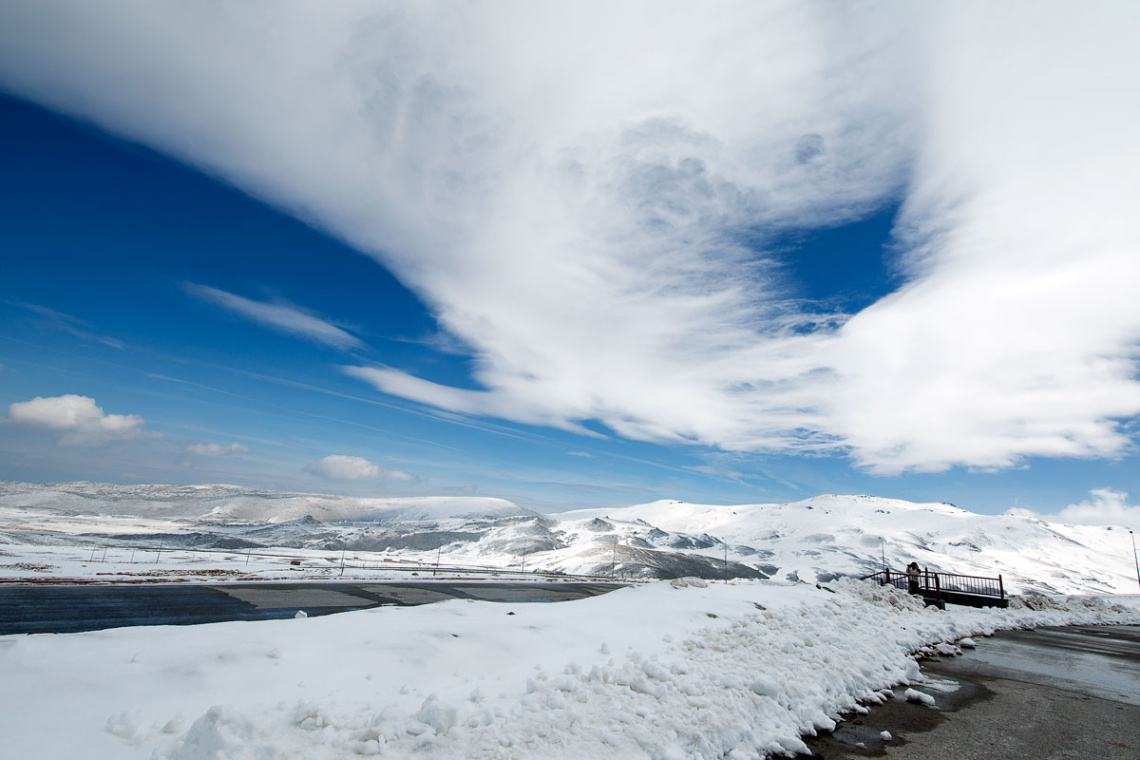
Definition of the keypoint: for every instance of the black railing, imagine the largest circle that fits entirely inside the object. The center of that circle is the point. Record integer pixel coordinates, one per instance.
(971, 584)
(939, 586)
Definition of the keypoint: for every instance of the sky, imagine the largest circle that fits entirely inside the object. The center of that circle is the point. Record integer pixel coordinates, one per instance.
(575, 254)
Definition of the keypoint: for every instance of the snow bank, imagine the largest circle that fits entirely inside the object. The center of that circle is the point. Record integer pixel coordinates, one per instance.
(659, 671)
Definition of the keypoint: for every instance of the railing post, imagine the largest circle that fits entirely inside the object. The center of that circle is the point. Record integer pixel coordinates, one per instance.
(937, 587)
(1001, 587)
(888, 572)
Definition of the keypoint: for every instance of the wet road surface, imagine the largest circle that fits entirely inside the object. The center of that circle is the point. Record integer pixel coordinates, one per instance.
(1048, 694)
(71, 609)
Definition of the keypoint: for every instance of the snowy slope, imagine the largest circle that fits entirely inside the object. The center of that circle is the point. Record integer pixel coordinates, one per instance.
(814, 540)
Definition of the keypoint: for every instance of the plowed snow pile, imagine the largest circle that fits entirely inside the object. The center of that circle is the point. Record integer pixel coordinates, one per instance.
(668, 670)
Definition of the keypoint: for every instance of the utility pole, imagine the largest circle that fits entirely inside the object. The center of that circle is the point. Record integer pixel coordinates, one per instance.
(883, 546)
(343, 549)
(1134, 557)
(438, 551)
(725, 561)
(613, 561)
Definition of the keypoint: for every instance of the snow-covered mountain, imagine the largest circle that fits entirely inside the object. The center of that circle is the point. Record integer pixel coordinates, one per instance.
(826, 536)
(814, 540)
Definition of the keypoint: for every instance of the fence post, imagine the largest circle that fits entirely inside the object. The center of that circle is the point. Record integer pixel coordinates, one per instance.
(1001, 587)
(937, 587)
(888, 572)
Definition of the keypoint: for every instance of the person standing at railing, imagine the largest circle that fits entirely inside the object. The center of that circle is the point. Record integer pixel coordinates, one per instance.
(913, 571)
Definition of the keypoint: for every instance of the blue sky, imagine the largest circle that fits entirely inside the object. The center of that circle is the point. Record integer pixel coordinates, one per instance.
(246, 279)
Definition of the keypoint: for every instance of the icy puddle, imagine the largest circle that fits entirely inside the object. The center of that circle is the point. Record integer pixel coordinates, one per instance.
(1073, 659)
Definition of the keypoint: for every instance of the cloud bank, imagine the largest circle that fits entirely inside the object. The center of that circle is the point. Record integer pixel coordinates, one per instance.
(591, 198)
(1105, 506)
(78, 419)
(340, 468)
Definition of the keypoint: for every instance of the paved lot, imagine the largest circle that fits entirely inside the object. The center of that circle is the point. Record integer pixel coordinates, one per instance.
(71, 609)
(1049, 694)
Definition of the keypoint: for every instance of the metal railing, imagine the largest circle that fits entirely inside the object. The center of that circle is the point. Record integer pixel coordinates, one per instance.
(936, 584)
(971, 584)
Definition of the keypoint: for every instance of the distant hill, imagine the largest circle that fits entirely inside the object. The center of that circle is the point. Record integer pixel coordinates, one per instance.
(237, 504)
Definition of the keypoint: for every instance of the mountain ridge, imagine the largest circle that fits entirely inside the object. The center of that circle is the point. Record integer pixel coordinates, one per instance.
(813, 540)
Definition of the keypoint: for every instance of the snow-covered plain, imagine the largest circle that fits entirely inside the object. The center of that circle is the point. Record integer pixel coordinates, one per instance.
(663, 670)
(113, 532)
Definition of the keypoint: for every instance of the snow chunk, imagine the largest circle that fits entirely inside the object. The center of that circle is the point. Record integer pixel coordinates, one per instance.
(125, 725)
(219, 733)
(689, 583)
(442, 718)
(765, 687)
(913, 695)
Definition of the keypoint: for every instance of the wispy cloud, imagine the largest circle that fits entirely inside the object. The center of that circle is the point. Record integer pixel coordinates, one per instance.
(579, 220)
(72, 325)
(342, 468)
(78, 420)
(216, 449)
(282, 317)
(493, 403)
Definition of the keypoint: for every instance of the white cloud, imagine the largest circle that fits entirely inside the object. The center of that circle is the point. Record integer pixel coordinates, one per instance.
(1018, 333)
(339, 467)
(78, 418)
(282, 317)
(571, 197)
(1105, 506)
(216, 449)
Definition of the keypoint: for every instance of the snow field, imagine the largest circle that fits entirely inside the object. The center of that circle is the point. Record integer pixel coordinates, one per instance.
(658, 671)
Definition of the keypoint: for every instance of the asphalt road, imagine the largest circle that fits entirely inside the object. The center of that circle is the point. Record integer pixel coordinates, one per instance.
(1048, 694)
(71, 609)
